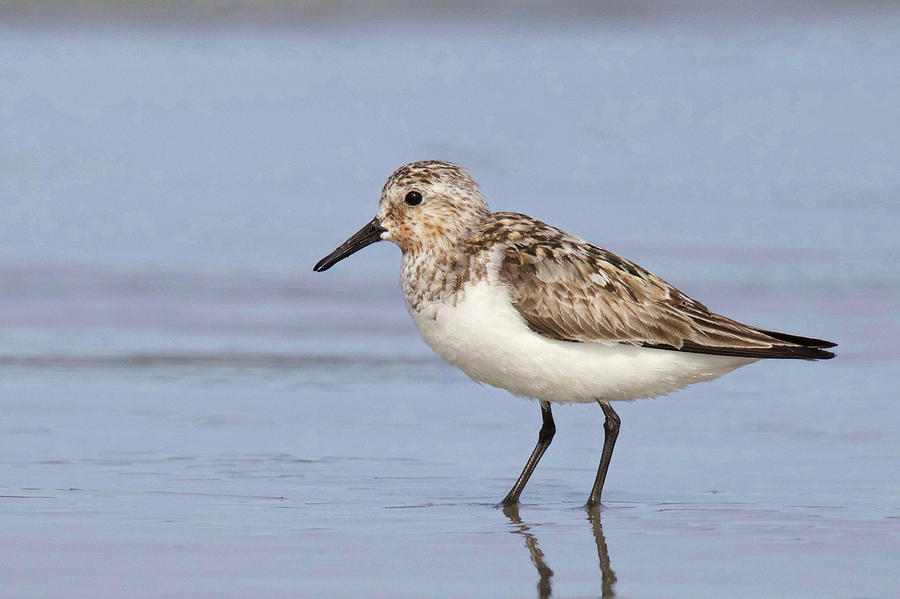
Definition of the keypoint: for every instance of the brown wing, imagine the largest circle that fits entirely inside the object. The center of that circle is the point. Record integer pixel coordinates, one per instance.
(570, 290)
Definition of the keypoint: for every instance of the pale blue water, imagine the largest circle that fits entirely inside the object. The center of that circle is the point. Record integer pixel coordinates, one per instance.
(186, 409)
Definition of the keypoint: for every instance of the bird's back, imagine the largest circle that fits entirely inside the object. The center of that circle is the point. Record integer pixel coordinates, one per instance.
(568, 289)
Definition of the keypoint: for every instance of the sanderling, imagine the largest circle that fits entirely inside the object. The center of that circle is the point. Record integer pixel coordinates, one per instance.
(521, 305)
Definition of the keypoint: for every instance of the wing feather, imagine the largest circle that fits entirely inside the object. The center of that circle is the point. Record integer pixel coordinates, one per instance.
(568, 289)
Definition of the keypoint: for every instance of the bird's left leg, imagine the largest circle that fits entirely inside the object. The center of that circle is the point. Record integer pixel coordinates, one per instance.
(611, 429)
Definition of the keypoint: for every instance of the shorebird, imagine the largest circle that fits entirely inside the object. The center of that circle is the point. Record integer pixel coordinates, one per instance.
(524, 306)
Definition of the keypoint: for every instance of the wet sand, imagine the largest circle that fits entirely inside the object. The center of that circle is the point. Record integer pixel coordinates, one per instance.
(347, 475)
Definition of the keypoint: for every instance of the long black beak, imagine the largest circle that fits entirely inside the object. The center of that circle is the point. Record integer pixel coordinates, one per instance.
(365, 236)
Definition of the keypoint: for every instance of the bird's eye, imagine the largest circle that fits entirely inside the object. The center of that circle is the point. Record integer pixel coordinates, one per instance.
(413, 198)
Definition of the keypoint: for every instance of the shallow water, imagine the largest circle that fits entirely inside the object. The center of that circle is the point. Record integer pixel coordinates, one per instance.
(187, 410)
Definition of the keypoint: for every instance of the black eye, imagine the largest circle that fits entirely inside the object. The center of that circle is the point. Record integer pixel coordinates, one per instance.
(413, 198)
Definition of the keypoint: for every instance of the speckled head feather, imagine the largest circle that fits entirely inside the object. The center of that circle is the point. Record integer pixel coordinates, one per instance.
(451, 207)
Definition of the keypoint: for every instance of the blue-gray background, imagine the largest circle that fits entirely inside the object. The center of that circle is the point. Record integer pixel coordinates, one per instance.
(185, 408)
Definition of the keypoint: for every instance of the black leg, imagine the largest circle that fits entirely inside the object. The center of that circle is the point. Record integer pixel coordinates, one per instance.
(611, 428)
(548, 429)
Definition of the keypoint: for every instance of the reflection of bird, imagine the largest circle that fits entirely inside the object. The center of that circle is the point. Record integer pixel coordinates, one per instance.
(545, 574)
(521, 305)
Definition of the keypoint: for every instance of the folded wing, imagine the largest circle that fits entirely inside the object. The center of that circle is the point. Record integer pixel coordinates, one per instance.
(570, 290)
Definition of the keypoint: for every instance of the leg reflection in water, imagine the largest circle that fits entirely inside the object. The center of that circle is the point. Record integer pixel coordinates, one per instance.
(545, 574)
(537, 556)
(609, 577)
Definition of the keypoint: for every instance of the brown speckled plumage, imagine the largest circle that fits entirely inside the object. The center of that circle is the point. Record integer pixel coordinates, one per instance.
(568, 289)
(563, 287)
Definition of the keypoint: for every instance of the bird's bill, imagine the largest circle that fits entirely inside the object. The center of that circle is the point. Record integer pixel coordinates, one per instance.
(368, 235)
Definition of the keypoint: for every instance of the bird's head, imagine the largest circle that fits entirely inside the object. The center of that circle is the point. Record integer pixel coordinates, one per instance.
(423, 205)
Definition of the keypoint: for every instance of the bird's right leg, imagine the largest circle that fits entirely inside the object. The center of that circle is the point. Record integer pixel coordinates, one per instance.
(548, 429)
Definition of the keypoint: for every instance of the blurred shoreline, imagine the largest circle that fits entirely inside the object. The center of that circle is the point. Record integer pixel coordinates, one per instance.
(285, 13)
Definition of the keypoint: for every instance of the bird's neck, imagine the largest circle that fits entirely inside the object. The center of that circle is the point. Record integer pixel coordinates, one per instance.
(438, 274)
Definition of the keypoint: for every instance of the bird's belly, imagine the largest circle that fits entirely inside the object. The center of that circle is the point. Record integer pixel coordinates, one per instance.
(484, 336)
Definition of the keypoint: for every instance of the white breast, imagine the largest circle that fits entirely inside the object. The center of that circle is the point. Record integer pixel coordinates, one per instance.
(486, 338)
